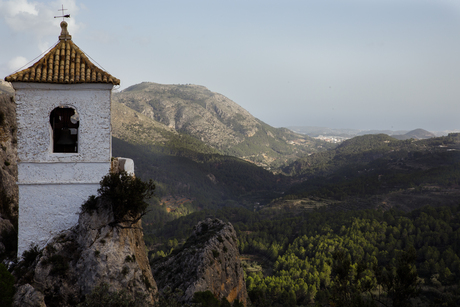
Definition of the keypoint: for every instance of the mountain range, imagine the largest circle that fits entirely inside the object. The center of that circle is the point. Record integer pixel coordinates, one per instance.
(349, 133)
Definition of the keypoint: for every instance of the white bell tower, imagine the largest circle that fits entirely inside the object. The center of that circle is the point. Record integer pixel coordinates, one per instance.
(64, 139)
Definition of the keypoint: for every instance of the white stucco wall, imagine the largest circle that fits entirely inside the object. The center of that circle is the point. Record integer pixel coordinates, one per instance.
(53, 186)
(126, 165)
(46, 210)
(64, 172)
(35, 101)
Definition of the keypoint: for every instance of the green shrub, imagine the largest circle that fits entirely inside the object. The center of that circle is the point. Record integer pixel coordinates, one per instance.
(6, 287)
(29, 256)
(90, 205)
(23, 269)
(125, 195)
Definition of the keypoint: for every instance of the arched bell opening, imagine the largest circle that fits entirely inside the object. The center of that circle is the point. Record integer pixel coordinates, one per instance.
(64, 125)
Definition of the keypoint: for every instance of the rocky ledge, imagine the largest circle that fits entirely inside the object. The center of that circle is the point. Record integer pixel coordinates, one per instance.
(91, 254)
(209, 260)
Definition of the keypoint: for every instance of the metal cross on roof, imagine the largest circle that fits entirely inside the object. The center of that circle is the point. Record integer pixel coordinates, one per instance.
(63, 16)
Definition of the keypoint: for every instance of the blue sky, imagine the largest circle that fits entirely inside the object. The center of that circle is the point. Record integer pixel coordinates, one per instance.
(374, 64)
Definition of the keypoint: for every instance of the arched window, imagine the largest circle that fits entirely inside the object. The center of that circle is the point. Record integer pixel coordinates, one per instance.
(64, 124)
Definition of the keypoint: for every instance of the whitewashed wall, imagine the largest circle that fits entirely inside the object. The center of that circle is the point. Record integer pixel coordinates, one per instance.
(53, 186)
(35, 101)
(64, 172)
(46, 210)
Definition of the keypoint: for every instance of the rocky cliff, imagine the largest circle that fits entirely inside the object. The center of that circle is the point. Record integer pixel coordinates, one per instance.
(91, 254)
(209, 260)
(96, 254)
(8, 177)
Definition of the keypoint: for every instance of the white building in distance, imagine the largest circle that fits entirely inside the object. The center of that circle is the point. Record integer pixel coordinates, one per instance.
(64, 139)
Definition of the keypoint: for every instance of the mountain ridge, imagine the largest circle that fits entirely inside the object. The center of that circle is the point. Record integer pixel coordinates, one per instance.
(218, 122)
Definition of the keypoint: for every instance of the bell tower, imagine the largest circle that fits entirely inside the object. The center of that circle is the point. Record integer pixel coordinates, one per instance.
(64, 138)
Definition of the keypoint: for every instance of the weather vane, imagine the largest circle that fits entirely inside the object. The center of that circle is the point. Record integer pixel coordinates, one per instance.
(63, 16)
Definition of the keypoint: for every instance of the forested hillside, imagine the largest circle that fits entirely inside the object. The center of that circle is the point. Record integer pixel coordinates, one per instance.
(212, 180)
(342, 258)
(378, 165)
(397, 252)
(189, 174)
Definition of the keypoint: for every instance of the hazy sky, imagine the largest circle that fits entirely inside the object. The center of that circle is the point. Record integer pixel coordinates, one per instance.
(370, 64)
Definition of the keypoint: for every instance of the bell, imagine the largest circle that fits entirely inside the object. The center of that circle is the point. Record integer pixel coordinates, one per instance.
(65, 138)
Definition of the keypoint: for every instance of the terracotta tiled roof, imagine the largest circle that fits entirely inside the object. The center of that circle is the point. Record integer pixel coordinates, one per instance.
(65, 64)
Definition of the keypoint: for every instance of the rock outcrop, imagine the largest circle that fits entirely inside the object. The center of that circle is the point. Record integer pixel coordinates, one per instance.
(93, 253)
(8, 177)
(209, 260)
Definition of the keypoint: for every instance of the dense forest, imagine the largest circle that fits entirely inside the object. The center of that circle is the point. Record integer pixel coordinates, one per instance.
(341, 258)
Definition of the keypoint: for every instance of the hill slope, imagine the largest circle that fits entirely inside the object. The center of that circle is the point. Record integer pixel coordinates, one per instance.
(184, 166)
(408, 173)
(418, 134)
(217, 121)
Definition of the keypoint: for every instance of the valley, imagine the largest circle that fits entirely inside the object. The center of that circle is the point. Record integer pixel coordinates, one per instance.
(365, 178)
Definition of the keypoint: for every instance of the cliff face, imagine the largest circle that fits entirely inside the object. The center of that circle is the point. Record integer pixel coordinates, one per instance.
(209, 260)
(84, 257)
(8, 177)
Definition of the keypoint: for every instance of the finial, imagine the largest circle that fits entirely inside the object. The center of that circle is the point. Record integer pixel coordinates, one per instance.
(64, 33)
(63, 16)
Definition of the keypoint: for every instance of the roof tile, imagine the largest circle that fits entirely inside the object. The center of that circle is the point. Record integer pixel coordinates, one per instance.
(65, 63)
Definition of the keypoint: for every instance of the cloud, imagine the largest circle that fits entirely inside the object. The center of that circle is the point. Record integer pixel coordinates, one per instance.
(16, 63)
(34, 21)
(36, 18)
(14, 8)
